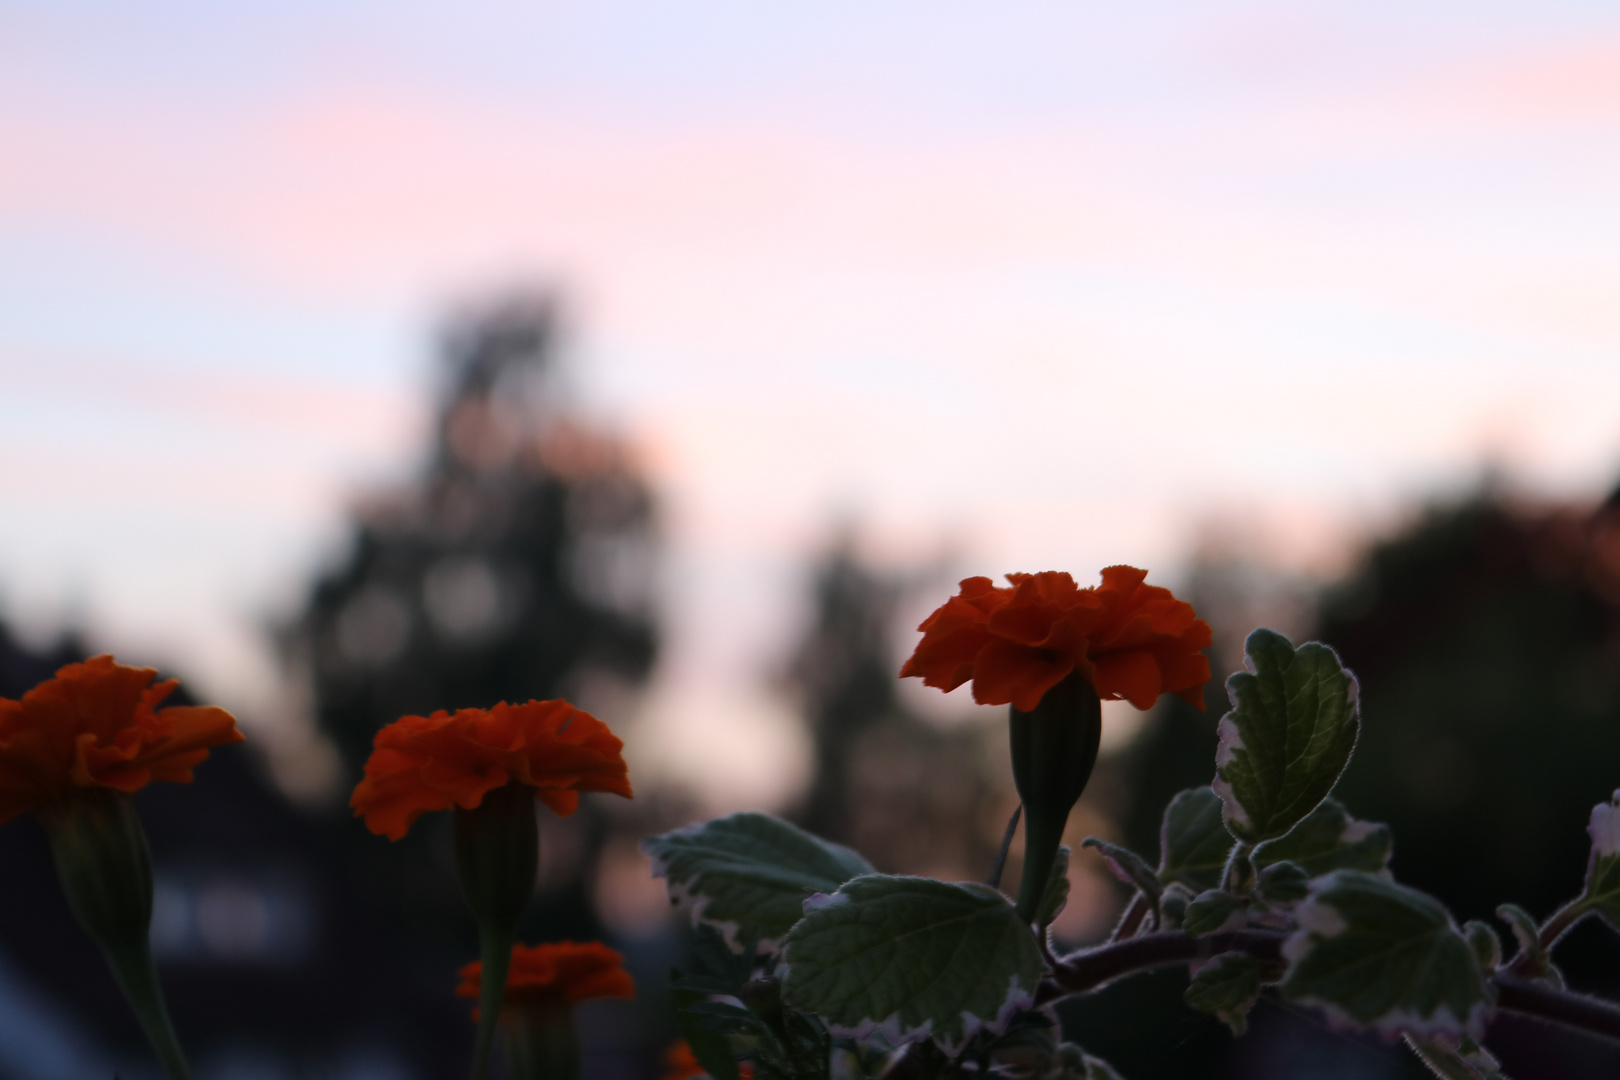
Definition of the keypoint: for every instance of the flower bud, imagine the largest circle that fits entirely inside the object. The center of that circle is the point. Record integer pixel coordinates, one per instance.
(105, 867)
(102, 861)
(1054, 747)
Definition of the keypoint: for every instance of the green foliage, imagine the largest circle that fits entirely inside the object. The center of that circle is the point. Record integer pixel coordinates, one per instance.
(908, 958)
(729, 1009)
(1532, 960)
(1173, 907)
(1226, 987)
(1129, 867)
(1193, 841)
(1374, 954)
(1031, 1050)
(1486, 945)
(1330, 839)
(1284, 883)
(1287, 738)
(749, 874)
(1466, 1060)
(1057, 889)
(1212, 910)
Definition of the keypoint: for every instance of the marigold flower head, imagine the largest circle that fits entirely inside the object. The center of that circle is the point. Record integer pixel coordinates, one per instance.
(426, 763)
(97, 724)
(679, 1064)
(558, 974)
(1130, 640)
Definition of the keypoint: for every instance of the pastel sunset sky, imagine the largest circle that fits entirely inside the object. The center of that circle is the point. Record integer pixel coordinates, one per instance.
(1051, 285)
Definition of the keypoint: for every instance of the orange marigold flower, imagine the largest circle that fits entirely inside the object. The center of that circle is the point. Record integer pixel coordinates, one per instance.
(561, 973)
(1130, 640)
(679, 1064)
(97, 724)
(423, 763)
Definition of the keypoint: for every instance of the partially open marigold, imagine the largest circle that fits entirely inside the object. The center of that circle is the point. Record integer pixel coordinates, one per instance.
(97, 724)
(558, 974)
(1131, 641)
(425, 763)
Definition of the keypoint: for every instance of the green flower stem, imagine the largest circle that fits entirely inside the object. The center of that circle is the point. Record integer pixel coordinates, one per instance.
(1054, 748)
(498, 854)
(104, 864)
(542, 1043)
(131, 964)
(495, 958)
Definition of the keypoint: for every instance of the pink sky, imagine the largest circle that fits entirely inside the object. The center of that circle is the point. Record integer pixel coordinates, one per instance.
(1057, 284)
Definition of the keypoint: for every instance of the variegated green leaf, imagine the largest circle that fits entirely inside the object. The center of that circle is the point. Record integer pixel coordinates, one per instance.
(1193, 840)
(1227, 986)
(1376, 955)
(910, 958)
(1462, 1059)
(748, 875)
(1289, 735)
(1330, 839)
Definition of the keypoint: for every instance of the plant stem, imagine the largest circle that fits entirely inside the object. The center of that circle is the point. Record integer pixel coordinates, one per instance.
(1131, 921)
(1562, 921)
(131, 963)
(1091, 969)
(1006, 846)
(495, 958)
(1593, 1015)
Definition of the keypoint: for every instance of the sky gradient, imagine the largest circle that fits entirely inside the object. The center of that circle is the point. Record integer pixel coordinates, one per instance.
(1049, 285)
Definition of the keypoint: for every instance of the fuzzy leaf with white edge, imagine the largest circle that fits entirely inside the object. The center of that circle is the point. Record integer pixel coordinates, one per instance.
(1293, 723)
(1462, 1059)
(748, 875)
(1226, 986)
(1603, 871)
(910, 958)
(1193, 841)
(1075, 1064)
(1376, 955)
(1330, 839)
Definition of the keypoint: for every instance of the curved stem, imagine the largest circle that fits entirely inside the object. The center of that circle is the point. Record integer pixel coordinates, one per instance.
(1091, 969)
(1131, 921)
(1562, 921)
(1595, 1016)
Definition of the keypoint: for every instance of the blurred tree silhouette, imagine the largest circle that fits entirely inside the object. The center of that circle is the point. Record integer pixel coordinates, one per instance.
(518, 565)
(912, 796)
(1486, 638)
(1487, 642)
